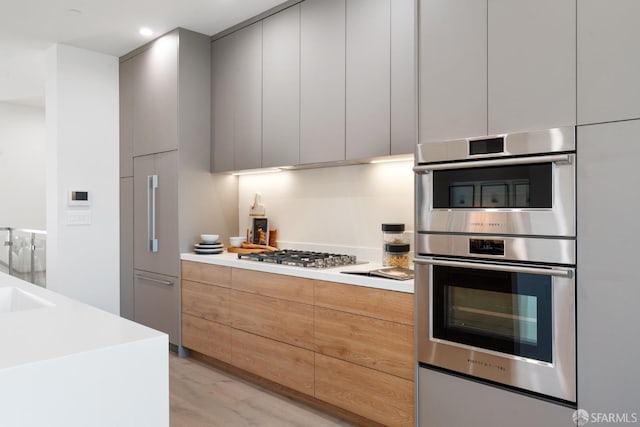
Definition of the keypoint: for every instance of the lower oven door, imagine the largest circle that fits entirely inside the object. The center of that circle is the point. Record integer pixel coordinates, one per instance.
(504, 323)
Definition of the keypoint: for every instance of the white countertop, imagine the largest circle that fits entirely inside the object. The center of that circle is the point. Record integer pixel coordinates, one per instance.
(68, 327)
(326, 274)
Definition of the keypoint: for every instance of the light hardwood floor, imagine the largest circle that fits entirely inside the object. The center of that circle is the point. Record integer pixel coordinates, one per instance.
(202, 396)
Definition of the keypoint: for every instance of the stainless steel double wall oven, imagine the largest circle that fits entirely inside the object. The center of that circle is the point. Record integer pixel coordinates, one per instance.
(495, 260)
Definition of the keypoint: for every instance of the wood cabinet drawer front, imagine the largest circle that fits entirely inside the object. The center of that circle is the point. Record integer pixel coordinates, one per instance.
(282, 363)
(274, 318)
(374, 343)
(381, 304)
(206, 273)
(274, 285)
(210, 338)
(380, 397)
(205, 301)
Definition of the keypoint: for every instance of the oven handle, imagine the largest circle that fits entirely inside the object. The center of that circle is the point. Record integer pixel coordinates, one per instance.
(556, 158)
(497, 267)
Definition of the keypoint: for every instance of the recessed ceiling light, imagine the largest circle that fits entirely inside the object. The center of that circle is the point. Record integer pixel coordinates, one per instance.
(145, 31)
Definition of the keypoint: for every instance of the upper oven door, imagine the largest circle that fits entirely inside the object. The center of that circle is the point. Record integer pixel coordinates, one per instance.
(502, 186)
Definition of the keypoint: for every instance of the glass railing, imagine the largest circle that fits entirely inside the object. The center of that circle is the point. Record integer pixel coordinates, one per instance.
(23, 254)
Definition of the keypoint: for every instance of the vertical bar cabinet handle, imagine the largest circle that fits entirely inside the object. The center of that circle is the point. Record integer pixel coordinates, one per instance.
(152, 187)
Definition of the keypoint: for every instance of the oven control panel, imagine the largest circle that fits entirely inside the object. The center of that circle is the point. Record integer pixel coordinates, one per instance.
(486, 247)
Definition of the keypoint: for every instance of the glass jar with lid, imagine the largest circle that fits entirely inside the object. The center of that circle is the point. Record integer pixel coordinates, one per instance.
(396, 255)
(395, 246)
(393, 233)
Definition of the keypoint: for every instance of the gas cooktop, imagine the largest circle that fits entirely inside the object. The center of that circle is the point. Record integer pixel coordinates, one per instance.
(302, 258)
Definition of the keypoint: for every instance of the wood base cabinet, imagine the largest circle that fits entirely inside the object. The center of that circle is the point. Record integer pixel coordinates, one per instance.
(273, 318)
(209, 338)
(349, 348)
(373, 343)
(384, 398)
(276, 361)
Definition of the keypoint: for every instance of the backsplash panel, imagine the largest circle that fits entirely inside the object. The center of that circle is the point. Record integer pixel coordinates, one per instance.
(339, 206)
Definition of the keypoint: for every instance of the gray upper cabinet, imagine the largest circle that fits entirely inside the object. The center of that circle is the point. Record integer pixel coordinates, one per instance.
(237, 100)
(532, 64)
(403, 76)
(155, 93)
(505, 66)
(453, 69)
(222, 104)
(281, 88)
(127, 79)
(608, 60)
(164, 212)
(368, 78)
(248, 90)
(322, 81)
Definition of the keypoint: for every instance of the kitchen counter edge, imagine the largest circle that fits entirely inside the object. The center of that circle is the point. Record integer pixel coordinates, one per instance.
(329, 274)
(66, 328)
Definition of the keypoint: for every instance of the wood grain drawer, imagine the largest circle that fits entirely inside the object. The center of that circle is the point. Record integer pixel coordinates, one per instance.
(210, 338)
(281, 320)
(380, 397)
(289, 288)
(206, 301)
(373, 343)
(206, 273)
(282, 363)
(379, 303)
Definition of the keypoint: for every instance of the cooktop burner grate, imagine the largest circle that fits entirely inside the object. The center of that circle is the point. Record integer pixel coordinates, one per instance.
(297, 258)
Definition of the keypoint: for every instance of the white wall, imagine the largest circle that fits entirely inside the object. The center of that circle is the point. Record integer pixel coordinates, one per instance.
(82, 153)
(22, 167)
(337, 207)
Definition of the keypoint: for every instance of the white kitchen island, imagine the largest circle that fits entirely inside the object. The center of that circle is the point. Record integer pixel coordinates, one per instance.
(65, 364)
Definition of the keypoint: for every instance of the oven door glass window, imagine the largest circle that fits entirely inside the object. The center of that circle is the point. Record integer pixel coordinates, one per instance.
(522, 186)
(500, 311)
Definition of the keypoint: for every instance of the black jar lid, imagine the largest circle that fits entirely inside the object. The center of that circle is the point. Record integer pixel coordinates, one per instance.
(397, 247)
(393, 227)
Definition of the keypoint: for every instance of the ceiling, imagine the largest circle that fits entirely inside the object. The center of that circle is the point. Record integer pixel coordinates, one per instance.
(29, 27)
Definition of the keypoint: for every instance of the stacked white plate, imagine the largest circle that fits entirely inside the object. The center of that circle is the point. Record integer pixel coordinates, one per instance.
(208, 248)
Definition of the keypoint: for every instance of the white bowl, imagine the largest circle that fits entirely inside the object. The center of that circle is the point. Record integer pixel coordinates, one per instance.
(236, 241)
(209, 238)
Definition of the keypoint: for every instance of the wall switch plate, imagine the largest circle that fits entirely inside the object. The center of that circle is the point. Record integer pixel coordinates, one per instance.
(78, 217)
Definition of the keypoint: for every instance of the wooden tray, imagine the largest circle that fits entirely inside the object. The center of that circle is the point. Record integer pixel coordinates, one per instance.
(244, 250)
